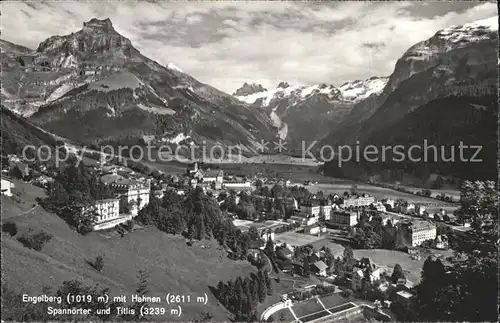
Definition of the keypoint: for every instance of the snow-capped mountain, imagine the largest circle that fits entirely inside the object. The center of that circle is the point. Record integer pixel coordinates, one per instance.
(357, 91)
(471, 32)
(456, 62)
(349, 92)
(248, 89)
(93, 85)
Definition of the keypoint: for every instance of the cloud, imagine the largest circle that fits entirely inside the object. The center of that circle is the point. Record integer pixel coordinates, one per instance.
(226, 44)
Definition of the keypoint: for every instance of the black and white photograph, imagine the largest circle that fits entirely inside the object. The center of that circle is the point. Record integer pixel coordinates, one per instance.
(249, 161)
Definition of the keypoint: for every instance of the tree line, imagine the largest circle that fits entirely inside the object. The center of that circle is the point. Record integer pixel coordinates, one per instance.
(242, 295)
(197, 216)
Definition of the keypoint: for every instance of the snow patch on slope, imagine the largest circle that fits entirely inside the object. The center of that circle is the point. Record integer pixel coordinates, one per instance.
(360, 90)
(283, 132)
(177, 138)
(278, 123)
(350, 92)
(116, 82)
(452, 37)
(275, 119)
(69, 61)
(172, 66)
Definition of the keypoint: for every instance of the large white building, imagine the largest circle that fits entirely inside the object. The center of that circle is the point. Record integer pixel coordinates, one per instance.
(237, 185)
(107, 209)
(213, 176)
(108, 213)
(420, 231)
(344, 218)
(359, 274)
(7, 186)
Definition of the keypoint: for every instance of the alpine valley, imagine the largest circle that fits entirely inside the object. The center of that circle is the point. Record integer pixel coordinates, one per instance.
(94, 87)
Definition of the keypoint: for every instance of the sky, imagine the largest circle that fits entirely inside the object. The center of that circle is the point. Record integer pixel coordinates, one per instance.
(228, 43)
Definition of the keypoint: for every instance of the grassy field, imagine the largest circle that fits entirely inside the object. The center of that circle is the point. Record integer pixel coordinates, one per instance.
(283, 287)
(387, 259)
(173, 167)
(116, 82)
(333, 300)
(454, 193)
(298, 173)
(174, 267)
(286, 316)
(296, 239)
(378, 192)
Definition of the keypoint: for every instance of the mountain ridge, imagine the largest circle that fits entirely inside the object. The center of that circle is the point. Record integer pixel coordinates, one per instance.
(101, 81)
(456, 62)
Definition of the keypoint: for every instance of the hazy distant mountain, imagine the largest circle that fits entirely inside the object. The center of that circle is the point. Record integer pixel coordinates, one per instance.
(459, 63)
(96, 86)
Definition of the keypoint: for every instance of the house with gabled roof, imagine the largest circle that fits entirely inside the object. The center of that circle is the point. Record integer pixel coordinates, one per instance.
(319, 268)
(359, 272)
(19, 168)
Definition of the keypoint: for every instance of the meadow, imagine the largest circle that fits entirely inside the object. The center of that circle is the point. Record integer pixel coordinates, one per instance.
(173, 266)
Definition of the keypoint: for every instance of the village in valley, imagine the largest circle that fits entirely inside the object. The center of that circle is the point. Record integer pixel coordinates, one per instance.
(337, 256)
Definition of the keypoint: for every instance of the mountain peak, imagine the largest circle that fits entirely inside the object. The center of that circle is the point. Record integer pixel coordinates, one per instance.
(283, 85)
(97, 43)
(248, 89)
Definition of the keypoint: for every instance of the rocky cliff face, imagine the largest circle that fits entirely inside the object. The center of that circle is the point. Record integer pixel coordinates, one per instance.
(457, 66)
(456, 60)
(95, 79)
(248, 89)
